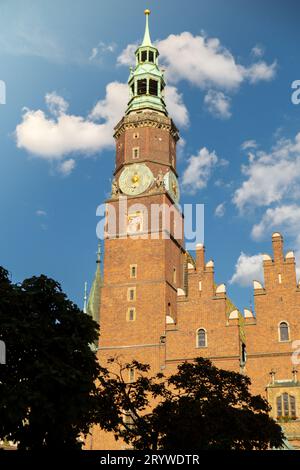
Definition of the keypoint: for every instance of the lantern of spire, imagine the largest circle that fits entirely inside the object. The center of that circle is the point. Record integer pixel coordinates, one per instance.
(146, 81)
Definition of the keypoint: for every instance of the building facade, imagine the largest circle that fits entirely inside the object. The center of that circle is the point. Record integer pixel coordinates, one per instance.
(155, 302)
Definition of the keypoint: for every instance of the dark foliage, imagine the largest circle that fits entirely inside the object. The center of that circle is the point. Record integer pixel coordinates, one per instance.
(47, 387)
(199, 407)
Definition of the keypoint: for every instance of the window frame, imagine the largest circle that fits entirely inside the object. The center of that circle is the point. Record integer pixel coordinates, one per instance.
(129, 310)
(197, 337)
(131, 267)
(286, 406)
(280, 324)
(129, 290)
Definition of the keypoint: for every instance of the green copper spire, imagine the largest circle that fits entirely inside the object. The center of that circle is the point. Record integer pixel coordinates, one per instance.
(146, 81)
(147, 40)
(93, 304)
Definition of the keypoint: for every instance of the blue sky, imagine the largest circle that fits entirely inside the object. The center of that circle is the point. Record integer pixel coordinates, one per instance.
(65, 64)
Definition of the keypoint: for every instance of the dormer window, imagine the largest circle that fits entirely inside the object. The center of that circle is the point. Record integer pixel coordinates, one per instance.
(144, 56)
(153, 87)
(142, 86)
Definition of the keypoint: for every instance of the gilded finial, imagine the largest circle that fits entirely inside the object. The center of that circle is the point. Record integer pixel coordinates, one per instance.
(147, 39)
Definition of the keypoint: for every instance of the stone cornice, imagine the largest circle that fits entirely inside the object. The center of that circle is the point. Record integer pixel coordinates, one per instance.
(146, 119)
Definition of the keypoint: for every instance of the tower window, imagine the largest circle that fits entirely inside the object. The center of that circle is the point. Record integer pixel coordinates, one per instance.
(143, 56)
(142, 86)
(131, 314)
(132, 88)
(286, 406)
(284, 334)
(136, 135)
(133, 271)
(201, 339)
(153, 87)
(135, 152)
(131, 294)
(151, 56)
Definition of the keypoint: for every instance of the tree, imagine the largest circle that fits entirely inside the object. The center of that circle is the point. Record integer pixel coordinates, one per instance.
(199, 407)
(47, 386)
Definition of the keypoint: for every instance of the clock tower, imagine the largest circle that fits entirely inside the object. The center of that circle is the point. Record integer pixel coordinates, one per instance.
(143, 249)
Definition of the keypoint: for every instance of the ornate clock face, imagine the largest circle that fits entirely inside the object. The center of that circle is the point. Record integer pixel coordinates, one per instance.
(135, 179)
(172, 186)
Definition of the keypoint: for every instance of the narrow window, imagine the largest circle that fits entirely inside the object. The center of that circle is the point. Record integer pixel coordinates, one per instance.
(136, 135)
(284, 331)
(135, 152)
(244, 354)
(132, 88)
(131, 294)
(201, 338)
(142, 86)
(292, 406)
(133, 271)
(153, 87)
(279, 407)
(131, 314)
(285, 399)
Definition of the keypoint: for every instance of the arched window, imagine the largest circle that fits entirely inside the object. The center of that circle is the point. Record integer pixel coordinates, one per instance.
(284, 334)
(286, 406)
(201, 338)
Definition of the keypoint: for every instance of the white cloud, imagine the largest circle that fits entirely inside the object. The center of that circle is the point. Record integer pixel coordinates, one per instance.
(247, 269)
(285, 217)
(270, 177)
(218, 104)
(55, 136)
(249, 144)
(67, 166)
(112, 108)
(220, 210)
(198, 170)
(57, 104)
(257, 51)
(127, 56)
(176, 106)
(101, 49)
(261, 71)
(41, 213)
(201, 61)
